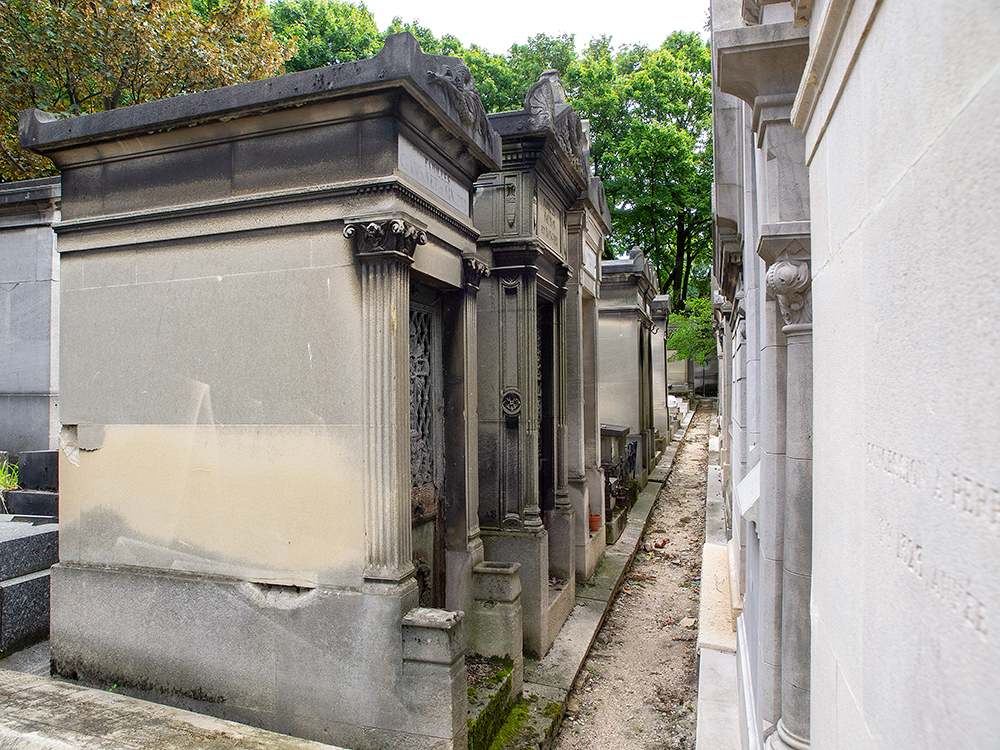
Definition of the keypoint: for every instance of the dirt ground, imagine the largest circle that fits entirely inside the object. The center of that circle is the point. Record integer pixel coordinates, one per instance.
(639, 686)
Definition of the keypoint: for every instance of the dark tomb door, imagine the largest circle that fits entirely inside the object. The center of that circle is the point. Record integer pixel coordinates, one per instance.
(427, 445)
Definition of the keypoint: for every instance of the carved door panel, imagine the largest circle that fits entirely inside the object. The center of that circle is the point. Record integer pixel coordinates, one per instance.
(426, 447)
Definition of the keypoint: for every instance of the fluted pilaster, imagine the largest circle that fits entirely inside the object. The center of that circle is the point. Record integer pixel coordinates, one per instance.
(385, 248)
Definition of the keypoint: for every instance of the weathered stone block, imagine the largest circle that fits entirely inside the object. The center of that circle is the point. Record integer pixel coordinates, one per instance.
(434, 636)
(27, 549)
(39, 470)
(24, 611)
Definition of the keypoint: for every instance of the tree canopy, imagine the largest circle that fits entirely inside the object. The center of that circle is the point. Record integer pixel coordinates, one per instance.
(649, 109)
(72, 57)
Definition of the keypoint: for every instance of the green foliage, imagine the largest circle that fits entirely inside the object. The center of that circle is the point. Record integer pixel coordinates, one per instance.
(540, 53)
(325, 32)
(8, 476)
(650, 113)
(649, 109)
(72, 57)
(693, 338)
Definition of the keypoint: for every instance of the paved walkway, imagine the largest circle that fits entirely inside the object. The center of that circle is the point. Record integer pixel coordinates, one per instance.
(39, 713)
(552, 677)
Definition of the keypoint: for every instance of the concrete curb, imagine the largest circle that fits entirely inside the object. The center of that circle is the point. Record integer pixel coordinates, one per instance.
(718, 725)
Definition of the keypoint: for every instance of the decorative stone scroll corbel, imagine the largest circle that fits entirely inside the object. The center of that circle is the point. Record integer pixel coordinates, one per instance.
(473, 271)
(785, 247)
(459, 87)
(790, 282)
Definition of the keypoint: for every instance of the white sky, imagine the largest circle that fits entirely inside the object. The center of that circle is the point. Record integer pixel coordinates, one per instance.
(497, 25)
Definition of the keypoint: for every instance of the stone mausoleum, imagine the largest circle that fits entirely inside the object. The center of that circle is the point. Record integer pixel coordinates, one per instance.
(249, 278)
(536, 320)
(29, 315)
(296, 316)
(626, 368)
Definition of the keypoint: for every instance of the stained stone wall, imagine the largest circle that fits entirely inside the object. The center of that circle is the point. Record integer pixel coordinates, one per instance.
(235, 480)
(856, 184)
(902, 143)
(29, 316)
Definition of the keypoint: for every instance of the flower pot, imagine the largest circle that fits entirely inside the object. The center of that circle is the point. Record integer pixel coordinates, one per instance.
(595, 521)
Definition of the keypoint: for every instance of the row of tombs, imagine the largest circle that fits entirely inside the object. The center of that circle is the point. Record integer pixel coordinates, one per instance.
(328, 390)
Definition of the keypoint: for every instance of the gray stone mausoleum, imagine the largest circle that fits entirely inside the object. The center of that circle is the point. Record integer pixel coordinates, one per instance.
(315, 332)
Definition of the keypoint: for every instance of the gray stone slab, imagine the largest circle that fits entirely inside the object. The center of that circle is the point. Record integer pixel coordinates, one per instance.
(25, 548)
(718, 712)
(32, 660)
(24, 611)
(39, 470)
(37, 713)
(31, 503)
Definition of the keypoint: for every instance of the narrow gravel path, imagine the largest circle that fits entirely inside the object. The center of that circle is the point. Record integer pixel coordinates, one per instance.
(639, 686)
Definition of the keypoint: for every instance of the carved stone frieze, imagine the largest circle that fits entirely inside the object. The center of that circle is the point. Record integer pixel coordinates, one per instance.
(473, 271)
(376, 239)
(460, 89)
(789, 281)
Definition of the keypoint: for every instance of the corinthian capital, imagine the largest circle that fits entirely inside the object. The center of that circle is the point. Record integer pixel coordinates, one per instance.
(789, 281)
(382, 238)
(473, 270)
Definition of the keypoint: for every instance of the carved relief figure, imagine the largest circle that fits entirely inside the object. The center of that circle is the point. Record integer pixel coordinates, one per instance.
(458, 86)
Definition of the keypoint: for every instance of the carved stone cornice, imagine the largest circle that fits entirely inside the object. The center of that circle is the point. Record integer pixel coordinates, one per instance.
(473, 271)
(385, 238)
(766, 60)
(790, 282)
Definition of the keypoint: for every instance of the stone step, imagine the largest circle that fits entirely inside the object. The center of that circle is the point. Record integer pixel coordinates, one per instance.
(31, 503)
(27, 549)
(24, 611)
(38, 470)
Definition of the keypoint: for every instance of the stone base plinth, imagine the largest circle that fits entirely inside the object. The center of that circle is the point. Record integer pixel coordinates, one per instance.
(541, 620)
(24, 611)
(318, 663)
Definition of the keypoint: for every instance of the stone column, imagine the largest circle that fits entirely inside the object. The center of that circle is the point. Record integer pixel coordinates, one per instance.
(562, 541)
(519, 400)
(562, 387)
(384, 247)
(473, 272)
(788, 278)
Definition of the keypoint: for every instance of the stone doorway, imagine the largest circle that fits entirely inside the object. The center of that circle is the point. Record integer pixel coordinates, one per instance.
(427, 446)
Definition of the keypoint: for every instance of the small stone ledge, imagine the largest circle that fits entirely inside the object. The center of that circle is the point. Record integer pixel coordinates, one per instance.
(715, 611)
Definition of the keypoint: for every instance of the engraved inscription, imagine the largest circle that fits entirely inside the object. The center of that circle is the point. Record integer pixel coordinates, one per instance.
(951, 488)
(954, 592)
(903, 468)
(548, 224)
(428, 173)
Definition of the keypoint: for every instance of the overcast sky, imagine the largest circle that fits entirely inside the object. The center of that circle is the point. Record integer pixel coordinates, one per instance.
(498, 25)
